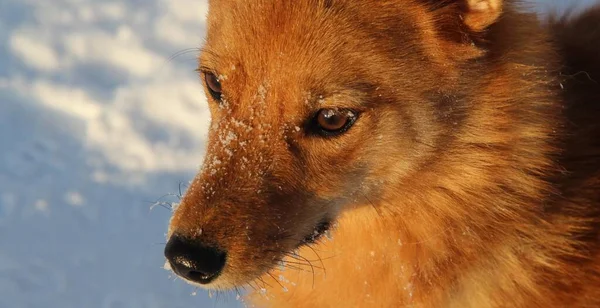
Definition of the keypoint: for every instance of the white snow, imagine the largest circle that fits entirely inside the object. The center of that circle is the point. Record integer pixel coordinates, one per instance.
(34, 52)
(96, 124)
(74, 199)
(41, 205)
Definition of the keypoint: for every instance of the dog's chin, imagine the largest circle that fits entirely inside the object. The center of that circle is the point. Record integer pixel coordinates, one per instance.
(219, 284)
(229, 279)
(222, 283)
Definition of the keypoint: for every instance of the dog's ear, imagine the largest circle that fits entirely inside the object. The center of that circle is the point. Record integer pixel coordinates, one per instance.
(480, 14)
(475, 15)
(462, 24)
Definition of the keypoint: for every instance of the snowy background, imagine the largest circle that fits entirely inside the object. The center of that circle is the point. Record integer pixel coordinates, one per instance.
(101, 114)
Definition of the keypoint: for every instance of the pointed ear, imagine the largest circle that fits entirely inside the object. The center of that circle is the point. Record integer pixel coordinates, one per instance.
(480, 14)
(462, 24)
(475, 15)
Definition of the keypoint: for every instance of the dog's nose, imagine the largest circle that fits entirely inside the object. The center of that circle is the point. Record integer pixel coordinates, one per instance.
(194, 261)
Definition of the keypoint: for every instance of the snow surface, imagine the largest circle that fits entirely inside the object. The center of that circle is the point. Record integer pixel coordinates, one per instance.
(101, 114)
(96, 123)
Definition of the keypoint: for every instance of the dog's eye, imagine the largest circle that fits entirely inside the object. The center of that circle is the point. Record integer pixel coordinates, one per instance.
(214, 86)
(331, 122)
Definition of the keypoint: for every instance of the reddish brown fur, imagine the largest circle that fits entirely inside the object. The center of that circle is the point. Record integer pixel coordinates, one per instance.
(471, 178)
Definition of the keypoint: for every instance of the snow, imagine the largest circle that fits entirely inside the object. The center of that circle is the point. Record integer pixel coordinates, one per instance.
(101, 114)
(97, 122)
(34, 53)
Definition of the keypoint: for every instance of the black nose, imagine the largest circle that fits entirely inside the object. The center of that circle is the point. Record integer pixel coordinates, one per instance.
(194, 261)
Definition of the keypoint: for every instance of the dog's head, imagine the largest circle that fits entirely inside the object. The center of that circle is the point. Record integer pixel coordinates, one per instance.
(317, 106)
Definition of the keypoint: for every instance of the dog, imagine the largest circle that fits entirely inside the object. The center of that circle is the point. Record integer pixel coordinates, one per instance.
(391, 153)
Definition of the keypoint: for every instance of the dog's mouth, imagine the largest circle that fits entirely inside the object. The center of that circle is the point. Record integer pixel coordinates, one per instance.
(320, 230)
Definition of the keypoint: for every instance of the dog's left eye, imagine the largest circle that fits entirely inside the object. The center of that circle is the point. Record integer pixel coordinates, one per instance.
(214, 86)
(331, 122)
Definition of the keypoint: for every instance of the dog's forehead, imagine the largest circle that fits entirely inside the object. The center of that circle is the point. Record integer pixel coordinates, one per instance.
(268, 30)
(309, 36)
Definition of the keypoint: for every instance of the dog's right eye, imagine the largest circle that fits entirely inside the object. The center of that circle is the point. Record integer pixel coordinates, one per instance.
(214, 86)
(333, 122)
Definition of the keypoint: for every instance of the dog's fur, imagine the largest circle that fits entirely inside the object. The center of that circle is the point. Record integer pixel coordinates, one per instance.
(470, 179)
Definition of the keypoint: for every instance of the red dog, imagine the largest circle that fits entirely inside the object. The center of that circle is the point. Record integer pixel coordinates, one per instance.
(451, 148)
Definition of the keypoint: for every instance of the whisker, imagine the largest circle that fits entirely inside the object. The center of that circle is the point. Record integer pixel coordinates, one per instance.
(164, 196)
(306, 262)
(180, 196)
(285, 265)
(182, 52)
(314, 260)
(164, 205)
(312, 269)
(253, 287)
(265, 284)
(377, 210)
(303, 264)
(293, 267)
(279, 283)
(318, 256)
(298, 257)
(238, 296)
